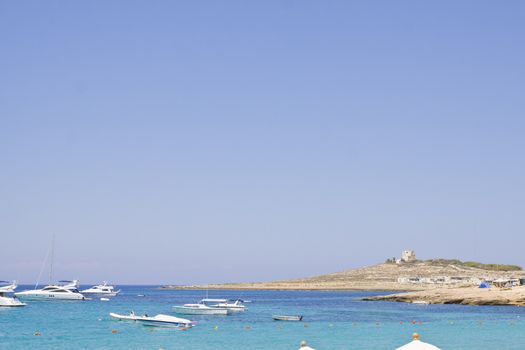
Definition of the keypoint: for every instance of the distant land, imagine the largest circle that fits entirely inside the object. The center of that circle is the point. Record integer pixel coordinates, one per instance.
(388, 276)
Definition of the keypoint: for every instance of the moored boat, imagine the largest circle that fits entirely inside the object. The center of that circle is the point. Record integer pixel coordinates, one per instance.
(5, 299)
(200, 309)
(157, 320)
(287, 317)
(229, 304)
(101, 290)
(68, 291)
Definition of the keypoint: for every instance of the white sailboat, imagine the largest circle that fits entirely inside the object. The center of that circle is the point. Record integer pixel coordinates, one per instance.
(5, 299)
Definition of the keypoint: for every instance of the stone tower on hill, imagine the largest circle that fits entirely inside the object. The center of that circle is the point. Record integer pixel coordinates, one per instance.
(408, 256)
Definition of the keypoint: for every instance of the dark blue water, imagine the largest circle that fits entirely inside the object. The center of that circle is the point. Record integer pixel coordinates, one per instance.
(332, 320)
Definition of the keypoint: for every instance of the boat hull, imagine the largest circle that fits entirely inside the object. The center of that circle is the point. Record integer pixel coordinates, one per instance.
(157, 321)
(232, 308)
(184, 310)
(49, 296)
(10, 302)
(99, 294)
(287, 318)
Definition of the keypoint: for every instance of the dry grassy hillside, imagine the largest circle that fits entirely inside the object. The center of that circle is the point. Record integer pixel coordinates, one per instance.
(377, 277)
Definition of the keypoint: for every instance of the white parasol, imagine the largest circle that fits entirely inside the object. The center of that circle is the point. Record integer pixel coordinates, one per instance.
(304, 346)
(417, 344)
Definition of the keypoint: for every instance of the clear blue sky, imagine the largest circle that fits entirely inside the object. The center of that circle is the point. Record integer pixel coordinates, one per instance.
(213, 141)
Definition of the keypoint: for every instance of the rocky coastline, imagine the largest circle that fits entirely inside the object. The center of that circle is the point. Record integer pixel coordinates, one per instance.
(465, 296)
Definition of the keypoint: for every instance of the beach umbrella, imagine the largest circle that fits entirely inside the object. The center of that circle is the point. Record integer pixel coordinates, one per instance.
(417, 344)
(304, 346)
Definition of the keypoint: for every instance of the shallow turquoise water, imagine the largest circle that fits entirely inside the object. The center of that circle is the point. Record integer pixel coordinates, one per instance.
(332, 320)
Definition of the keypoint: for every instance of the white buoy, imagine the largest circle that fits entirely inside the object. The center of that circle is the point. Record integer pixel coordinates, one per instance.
(104, 299)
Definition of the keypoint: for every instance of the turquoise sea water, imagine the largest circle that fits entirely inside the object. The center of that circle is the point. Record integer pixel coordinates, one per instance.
(332, 320)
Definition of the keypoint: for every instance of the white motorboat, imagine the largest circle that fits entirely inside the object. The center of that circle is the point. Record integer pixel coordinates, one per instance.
(287, 318)
(5, 299)
(158, 320)
(229, 304)
(67, 291)
(101, 290)
(200, 309)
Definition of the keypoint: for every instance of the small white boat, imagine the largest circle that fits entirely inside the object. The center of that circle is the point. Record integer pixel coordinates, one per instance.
(420, 302)
(5, 299)
(102, 290)
(200, 309)
(158, 320)
(287, 318)
(67, 291)
(104, 299)
(229, 304)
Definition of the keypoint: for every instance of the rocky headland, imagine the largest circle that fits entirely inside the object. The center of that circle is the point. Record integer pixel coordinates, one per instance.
(383, 277)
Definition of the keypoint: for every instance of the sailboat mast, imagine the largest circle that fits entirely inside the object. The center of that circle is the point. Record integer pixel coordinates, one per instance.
(52, 258)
